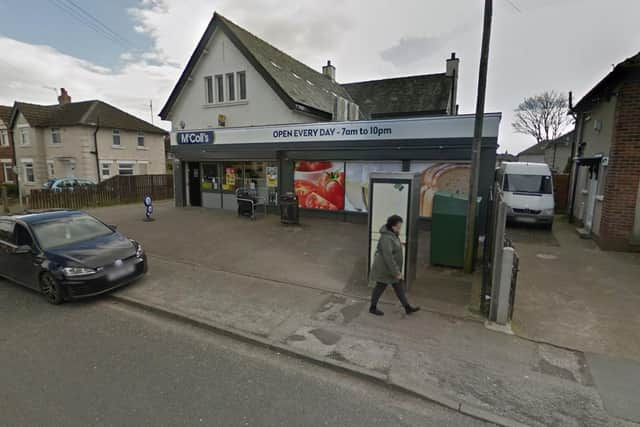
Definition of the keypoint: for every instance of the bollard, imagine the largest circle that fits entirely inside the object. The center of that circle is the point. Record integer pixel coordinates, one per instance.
(148, 208)
(504, 286)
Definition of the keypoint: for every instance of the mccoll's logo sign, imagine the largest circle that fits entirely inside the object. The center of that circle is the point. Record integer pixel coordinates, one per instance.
(197, 137)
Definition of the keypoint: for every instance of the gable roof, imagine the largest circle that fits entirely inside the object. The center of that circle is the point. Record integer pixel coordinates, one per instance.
(534, 150)
(302, 88)
(84, 113)
(541, 147)
(423, 94)
(5, 114)
(610, 79)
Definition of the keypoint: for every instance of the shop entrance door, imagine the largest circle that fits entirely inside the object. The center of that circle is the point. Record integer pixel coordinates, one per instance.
(193, 184)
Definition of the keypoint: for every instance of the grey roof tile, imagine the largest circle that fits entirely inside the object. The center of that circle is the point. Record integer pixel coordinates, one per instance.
(423, 94)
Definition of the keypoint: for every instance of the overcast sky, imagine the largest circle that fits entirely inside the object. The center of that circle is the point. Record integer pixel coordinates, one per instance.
(537, 45)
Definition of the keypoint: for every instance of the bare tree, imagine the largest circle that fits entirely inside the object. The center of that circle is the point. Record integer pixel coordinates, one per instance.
(543, 116)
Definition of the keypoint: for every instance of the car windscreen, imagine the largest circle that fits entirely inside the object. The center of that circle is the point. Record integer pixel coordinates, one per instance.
(530, 184)
(67, 230)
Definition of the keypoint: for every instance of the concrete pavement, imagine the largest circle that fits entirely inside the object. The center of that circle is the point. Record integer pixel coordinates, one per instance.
(572, 294)
(99, 363)
(456, 362)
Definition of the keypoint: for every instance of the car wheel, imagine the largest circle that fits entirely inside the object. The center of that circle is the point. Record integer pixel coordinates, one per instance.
(51, 289)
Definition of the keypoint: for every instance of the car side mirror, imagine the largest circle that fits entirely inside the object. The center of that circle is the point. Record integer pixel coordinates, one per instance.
(113, 227)
(22, 249)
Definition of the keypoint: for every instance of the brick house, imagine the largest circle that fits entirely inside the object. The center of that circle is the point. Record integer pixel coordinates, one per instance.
(605, 189)
(87, 139)
(7, 158)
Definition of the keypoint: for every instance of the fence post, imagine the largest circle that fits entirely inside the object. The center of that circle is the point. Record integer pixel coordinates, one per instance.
(5, 199)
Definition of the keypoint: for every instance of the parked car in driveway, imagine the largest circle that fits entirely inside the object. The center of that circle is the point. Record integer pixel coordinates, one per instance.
(67, 254)
(67, 183)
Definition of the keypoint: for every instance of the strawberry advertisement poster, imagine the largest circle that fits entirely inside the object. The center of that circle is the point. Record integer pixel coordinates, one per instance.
(319, 184)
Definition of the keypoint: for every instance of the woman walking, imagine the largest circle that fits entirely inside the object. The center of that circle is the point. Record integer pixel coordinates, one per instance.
(387, 266)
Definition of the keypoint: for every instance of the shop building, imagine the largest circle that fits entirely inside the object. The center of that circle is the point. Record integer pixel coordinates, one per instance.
(246, 115)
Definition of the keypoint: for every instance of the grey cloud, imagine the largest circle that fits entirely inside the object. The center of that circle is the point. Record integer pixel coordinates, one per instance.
(409, 50)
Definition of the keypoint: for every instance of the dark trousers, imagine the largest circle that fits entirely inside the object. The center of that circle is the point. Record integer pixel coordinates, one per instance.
(398, 288)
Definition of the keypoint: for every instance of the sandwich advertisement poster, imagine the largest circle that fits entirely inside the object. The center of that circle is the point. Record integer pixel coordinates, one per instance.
(344, 186)
(434, 177)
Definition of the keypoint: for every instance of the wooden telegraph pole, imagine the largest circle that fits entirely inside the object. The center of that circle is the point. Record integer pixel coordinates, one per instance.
(477, 140)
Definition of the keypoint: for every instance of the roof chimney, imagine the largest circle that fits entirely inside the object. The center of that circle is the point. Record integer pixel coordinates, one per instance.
(64, 97)
(329, 71)
(453, 65)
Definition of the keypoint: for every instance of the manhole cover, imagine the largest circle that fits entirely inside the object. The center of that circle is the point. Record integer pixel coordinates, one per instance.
(546, 256)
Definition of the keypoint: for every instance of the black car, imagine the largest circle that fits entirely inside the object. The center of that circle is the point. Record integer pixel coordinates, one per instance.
(67, 254)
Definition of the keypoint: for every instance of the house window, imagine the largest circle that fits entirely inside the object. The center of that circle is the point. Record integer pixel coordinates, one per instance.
(106, 170)
(116, 138)
(55, 135)
(125, 168)
(7, 168)
(140, 139)
(231, 87)
(219, 88)
(4, 137)
(51, 169)
(29, 177)
(242, 85)
(208, 85)
(24, 136)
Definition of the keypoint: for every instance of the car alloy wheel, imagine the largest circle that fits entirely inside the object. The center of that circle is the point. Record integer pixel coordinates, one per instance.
(51, 289)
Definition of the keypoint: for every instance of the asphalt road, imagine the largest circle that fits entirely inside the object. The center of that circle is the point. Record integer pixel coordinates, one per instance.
(99, 363)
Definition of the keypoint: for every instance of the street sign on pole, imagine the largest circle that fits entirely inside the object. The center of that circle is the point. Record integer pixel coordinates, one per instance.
(477, 140)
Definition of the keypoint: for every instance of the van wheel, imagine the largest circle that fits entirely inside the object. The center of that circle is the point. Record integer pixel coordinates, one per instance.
(51, 289)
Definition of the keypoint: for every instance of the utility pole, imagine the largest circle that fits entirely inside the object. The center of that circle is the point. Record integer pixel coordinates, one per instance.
(477, 140)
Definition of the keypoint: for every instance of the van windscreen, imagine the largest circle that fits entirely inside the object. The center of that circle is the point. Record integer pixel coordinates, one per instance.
(530, 184)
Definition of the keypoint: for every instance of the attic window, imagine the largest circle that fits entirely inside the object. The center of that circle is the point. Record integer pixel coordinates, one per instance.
(310, 83)
(296, 76)
(276, 65)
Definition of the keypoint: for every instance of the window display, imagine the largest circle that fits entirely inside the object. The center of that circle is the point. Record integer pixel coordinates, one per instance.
(231, 176)
(210, 177)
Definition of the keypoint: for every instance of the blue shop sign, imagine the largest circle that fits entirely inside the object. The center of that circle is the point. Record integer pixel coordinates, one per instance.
(197, 137)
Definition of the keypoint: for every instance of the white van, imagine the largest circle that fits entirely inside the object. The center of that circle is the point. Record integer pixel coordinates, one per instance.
(528, 192)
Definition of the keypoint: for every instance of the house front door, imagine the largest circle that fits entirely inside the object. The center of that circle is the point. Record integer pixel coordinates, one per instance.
(591, 199)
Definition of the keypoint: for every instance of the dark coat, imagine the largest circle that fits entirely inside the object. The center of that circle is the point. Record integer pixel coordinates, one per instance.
(387, 263)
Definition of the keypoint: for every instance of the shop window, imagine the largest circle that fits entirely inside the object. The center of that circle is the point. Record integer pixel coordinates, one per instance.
(232, 177)
(208, 85)
(219, 88)
(231, 87)
(242, 85)
(210, 177)
(125, 168)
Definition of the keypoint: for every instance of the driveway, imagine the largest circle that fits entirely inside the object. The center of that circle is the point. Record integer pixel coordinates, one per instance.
(572, 294)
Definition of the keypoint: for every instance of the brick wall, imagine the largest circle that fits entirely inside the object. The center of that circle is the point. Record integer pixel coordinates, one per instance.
(623, 175)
